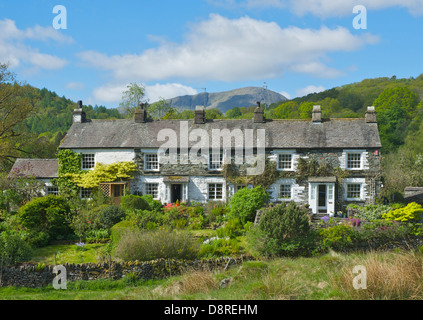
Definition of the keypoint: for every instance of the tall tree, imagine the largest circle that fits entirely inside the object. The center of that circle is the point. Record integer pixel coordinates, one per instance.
(132, 97)
(17, 102)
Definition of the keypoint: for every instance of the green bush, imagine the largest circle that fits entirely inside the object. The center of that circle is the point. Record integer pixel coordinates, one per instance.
(153, 205)
(131, 201)
(13, 249)
(219, 248)
(245, 203)
(50, 215)
(282, 230)
(372, 212)
(412, 212)
(338, 237)
(146, 219)
(120, 228)
(111, 215)
(155, 244)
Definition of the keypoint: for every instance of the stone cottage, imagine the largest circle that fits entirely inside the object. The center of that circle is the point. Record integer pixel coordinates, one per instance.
(188, 160)
(185, 160)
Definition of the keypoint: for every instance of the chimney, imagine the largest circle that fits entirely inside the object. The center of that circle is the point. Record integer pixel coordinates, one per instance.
(316, 115)
(259, 114)
(370, 115)
(78, 115)
(200, 115)
(140, 114)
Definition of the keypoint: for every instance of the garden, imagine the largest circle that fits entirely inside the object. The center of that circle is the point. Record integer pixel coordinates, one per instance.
(56, 230)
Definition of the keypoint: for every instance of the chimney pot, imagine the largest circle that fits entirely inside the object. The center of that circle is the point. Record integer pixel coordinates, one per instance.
(259, 114)
(78, 114)
(316, 115)
(140, 114)
(370, 116)
(199, 115)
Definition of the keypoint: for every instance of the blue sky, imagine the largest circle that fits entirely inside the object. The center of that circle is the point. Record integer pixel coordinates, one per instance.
(180, 47)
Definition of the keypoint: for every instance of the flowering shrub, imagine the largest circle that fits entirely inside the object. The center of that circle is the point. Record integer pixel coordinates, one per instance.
(80, 246)
(355, 222)
(338, 236)
(412, 212)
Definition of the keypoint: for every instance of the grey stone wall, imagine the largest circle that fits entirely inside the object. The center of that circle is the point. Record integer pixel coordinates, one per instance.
(29, 275)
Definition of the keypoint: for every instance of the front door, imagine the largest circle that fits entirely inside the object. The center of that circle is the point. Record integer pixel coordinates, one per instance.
(176, 192)
(117, 193)
(322, 198)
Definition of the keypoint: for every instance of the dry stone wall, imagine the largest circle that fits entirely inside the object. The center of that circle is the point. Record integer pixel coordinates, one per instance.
(32, 275)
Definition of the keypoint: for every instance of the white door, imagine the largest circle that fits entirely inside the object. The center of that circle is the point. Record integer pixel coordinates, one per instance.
(322, 198)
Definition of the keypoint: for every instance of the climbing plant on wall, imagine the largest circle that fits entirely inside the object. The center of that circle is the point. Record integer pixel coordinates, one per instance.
(117, 171)
(69, 163)
(306, 167)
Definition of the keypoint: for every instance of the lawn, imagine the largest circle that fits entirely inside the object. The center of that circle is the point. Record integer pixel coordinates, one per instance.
(70, 253)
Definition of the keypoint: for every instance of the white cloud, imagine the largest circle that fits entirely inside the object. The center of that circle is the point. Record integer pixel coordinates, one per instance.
(14, 51)
(241, 49)
(112, 93)
(167, 91)
(309, 89)
(285, 94)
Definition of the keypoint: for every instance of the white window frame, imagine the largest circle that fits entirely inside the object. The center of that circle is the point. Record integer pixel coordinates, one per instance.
(280, 193)
(354, 152)
(84, 161)
(147, 162)
(280, 153)
(360, 187)
(150, 191)
(212, 194)
(214, 164)
(50, 192)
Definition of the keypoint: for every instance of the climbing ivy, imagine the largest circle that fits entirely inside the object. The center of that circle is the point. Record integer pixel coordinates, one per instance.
(306, 167)
(69, 163)
(71, 177)
(117, 171)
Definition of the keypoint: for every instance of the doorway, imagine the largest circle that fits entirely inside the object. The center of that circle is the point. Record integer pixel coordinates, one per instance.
(322, 207)
(322, 197)
(117, 193)
(176, 193)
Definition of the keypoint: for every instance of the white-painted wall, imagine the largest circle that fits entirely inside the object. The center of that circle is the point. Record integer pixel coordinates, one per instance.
(297, 191)
(198, 188)
(109, 156)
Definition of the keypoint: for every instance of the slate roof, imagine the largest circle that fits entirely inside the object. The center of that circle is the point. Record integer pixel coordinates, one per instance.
(37, 168)
(282, 134)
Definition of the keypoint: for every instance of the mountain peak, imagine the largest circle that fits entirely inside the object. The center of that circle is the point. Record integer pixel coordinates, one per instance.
(224, 101)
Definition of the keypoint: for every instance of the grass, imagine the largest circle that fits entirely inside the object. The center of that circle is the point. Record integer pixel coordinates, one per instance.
(390, 275)
(67, 254)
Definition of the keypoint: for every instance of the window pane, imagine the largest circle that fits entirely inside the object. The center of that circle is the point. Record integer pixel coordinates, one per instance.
(215, 191)
(285, 161)
(152, 189)
(86, 193)
(354, 161)
(353, 191)
(88, 161)
(52, 190)
(215, 161)
(151, 162)
(285, 191)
